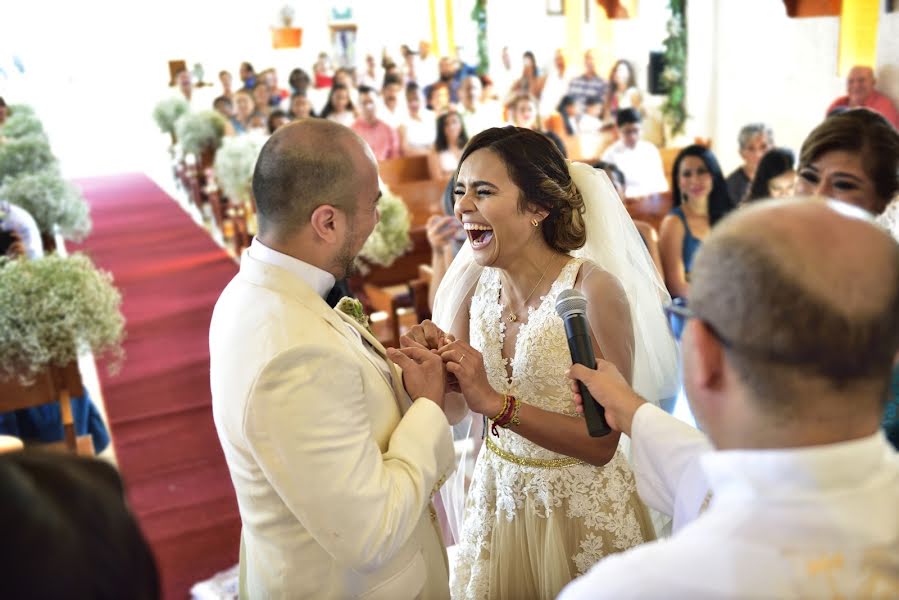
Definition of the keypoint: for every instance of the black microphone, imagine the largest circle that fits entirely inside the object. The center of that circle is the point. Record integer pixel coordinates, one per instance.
(571, 305)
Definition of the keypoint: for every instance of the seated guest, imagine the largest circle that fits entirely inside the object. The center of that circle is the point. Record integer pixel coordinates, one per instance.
(530, 82)
(589, 84)
(322, 71)
(223, 106)
(774, 177)
(623, 92)
(476, 115)
(262, 96)
(244, 108)
(638, 159)
(4, 111)
(860, 93)
(590, 122)
(247, 76)
(185, 84)
(380, 137)
(16, 220)
(437, 98)
(755, 139)
(853, 157)
(646, 231)
(225, 79)
(276, 119)
(339, 107)
(276, 94)
(393, 111)
(298, 81)
(522, 111)
(700, 200)
(790, 490)
(300, 107)
(68, 531)
(259, 123)
(449, 142)
(417, 133)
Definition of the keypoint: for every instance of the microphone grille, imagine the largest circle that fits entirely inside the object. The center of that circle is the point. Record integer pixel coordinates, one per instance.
(570, 301)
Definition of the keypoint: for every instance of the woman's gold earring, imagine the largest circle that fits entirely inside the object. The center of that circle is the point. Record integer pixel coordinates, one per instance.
(535, 222)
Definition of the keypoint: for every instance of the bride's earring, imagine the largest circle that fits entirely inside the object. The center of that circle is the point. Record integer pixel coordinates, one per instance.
(535, 222)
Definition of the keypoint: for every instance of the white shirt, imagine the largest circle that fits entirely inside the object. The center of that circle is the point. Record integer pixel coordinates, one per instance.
(17, 219)
(812, 522)
(641, 165)
(318, 279)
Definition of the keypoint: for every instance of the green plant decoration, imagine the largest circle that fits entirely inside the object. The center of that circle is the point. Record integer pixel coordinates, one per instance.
(674, 76)
(390, 238)
(27, 154)
(234, 164)
(52, 308)
(55, 204)
(200, 132)
(167, 112)
(479, 16)
(20, 124)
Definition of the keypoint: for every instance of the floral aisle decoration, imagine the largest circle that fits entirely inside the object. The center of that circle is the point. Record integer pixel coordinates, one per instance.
(167, 112)
(234, 164)
(200, 132)
(674, 76)
(51, 309)
(22, 123)
(26, 154)
(390, 238)
(55, 204)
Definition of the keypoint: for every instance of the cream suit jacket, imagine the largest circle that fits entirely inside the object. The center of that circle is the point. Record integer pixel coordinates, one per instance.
(334, 469)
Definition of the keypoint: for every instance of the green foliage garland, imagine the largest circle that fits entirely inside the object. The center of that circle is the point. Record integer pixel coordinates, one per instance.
(53, 307)
(479, 16)
(51, 201)
(675, 74)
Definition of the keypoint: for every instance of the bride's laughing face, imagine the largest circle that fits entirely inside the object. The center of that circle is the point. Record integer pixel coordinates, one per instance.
(487, 204)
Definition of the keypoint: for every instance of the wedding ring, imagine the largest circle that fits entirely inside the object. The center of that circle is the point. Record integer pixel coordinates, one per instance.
(461, 359)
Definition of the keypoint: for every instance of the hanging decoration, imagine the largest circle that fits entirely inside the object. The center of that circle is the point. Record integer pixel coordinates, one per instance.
(479, 16)
(674, 75)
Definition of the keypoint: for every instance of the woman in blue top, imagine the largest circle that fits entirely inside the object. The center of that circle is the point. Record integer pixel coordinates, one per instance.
(700, 198)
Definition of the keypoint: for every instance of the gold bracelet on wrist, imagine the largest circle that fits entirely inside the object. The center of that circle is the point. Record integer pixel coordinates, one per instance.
(504, 409)
(514, 420)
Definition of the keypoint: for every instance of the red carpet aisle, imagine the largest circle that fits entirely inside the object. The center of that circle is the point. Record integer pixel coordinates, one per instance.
(170, 273)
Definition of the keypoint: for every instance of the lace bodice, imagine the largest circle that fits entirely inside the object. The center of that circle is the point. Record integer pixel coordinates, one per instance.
(541, 353)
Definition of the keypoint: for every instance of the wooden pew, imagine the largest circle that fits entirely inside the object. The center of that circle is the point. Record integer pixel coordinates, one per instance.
(651, 209)
(423, 198)
(395, 171)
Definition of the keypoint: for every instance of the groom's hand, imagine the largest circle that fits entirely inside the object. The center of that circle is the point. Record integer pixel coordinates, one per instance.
(427, 335)
(423, 373)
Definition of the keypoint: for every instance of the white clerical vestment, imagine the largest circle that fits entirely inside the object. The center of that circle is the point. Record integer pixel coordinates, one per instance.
(812, 522)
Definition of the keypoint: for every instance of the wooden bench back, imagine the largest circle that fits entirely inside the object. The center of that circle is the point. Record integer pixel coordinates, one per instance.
(395, 171)
(423, 198)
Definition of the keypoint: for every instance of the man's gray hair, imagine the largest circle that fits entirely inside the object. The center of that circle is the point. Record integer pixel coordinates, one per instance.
(753, 129)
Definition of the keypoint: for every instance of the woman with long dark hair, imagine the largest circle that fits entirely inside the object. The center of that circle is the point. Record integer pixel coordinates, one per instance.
(448, 144)
(774, 177)
(700, 198)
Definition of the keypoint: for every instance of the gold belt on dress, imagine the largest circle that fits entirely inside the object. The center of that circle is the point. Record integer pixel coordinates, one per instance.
(546, 463)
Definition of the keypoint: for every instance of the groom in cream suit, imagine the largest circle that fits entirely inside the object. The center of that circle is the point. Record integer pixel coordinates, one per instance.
(333, 451)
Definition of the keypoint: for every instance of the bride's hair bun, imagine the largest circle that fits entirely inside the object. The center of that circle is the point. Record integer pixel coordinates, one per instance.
(539, 170)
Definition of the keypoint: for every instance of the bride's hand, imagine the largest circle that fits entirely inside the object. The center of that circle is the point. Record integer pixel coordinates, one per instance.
(467, 365)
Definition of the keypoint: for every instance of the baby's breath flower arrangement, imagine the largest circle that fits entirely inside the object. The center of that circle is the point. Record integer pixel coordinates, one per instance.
(234, 164)
(390, 238)
(50, 309)
(22, 123)
(200, 131)
(55, 204)
(25, 154)
(167, 112)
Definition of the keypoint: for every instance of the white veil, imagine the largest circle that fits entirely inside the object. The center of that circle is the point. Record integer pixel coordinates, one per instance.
(615, 245)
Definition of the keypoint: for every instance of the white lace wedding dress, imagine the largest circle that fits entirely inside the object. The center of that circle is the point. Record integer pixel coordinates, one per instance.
(536, 519)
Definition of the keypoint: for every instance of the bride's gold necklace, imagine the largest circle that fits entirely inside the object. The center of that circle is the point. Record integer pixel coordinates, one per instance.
(514, 317)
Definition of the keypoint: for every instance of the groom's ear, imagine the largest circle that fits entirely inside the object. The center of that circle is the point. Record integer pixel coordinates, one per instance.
(327, 223)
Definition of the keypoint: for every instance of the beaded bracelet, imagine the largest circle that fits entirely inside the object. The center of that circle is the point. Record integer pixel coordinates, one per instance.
(507, 416)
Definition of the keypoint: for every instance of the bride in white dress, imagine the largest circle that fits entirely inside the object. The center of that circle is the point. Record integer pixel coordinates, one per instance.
(546, 501)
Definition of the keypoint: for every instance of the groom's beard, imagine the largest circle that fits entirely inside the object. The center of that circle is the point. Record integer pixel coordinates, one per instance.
(346, 258)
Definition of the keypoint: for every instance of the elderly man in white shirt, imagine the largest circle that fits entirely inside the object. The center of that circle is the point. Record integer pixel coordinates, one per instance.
(792, 331)
(638, 159)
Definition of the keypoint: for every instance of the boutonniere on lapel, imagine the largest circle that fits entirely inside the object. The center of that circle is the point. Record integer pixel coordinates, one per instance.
(353, 308)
